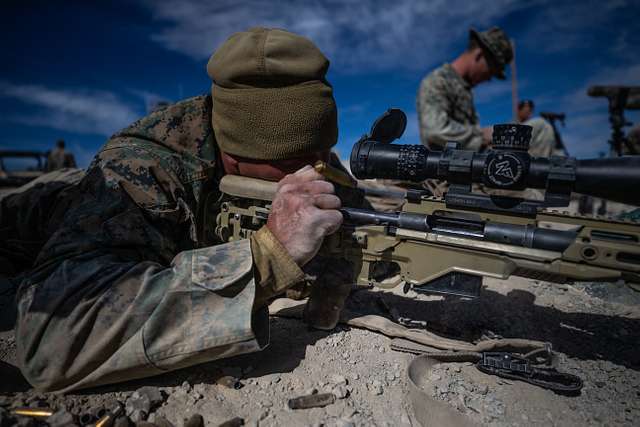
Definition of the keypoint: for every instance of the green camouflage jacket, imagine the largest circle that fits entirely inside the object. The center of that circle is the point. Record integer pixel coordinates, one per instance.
(446, 111)
(130, 281)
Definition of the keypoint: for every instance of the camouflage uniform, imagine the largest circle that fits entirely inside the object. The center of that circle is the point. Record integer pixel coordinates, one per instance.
(542, 137)
(128, 279)
(446, 111)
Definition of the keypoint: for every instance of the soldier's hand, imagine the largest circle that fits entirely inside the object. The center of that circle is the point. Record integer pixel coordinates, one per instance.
(303, 212)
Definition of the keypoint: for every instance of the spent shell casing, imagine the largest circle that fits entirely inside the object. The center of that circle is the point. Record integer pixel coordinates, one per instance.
(33, 412)
(312, 401)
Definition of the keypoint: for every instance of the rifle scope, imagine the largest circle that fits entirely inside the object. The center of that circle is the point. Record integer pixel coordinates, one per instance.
(506, 166)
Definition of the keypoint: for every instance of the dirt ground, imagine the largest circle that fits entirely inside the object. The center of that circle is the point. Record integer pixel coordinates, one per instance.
(593, 327)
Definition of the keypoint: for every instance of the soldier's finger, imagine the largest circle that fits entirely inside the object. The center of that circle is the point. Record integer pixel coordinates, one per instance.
(303, 169)
(305, 174)
(312, 187)
(308, 173)
(330, 220)
(327, 201)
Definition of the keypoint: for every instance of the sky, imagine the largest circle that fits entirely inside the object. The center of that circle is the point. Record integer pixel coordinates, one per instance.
(82, 70)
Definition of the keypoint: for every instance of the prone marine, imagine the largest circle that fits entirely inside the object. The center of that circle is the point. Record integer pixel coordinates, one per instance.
(119, 271)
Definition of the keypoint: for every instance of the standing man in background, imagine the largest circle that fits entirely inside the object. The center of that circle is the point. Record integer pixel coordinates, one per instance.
(445, 98)
(59, 158)
(543, 138)
(525, 110)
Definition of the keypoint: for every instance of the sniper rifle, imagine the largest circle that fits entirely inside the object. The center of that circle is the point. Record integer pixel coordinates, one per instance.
(447, 245)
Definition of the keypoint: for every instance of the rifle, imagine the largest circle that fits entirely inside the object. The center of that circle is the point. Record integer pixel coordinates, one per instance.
(447, 245)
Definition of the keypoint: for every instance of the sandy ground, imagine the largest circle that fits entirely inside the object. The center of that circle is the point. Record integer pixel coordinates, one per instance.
(594, 328)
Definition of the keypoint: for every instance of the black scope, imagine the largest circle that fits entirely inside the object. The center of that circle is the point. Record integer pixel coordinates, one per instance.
(506, 166)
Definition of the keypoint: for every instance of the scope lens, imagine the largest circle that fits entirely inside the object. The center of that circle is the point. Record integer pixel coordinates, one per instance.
(371, 159)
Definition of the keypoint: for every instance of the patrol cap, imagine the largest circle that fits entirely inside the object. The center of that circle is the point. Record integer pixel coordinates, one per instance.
(497, 48)
(271, 100)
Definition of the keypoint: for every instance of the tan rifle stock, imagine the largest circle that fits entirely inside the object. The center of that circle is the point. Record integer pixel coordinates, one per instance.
(602, 250)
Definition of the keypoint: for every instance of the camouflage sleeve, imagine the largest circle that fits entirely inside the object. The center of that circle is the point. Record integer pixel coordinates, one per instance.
(437, 127)
(542, 138)
(116, 294)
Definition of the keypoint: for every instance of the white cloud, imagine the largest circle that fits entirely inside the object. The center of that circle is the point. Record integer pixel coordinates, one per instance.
(354, 34)
(86, 111)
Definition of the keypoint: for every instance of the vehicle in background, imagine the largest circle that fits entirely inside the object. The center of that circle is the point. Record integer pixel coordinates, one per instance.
(17, 167)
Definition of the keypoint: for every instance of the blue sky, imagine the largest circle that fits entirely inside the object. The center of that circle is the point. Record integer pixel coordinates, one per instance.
(82, 70)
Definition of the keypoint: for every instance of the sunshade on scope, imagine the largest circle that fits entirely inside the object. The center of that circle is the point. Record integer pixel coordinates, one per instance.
(507, 165)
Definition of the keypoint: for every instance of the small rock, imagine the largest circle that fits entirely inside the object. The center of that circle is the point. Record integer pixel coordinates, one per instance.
(196, 420)
(344, 423)
(61, 419)
(137, 415)
(355, 376)
(229, 381)
(376, 388)
(138, 402)
(457, 368)
(186, 386)
(152, 393)
(125, 422)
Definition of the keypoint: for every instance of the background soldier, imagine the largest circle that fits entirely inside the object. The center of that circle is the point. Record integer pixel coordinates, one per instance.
(542, 136)
(121, 273)
(525, 110)
(59, 158)
(445, 98)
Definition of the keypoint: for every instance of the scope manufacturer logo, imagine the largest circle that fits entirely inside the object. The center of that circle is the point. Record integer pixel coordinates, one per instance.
(504, 170)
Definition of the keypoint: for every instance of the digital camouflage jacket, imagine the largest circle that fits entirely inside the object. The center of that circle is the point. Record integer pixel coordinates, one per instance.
(446, 111)
(128, 280)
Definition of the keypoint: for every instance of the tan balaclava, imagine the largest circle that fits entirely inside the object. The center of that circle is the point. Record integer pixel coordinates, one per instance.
(270, 97)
